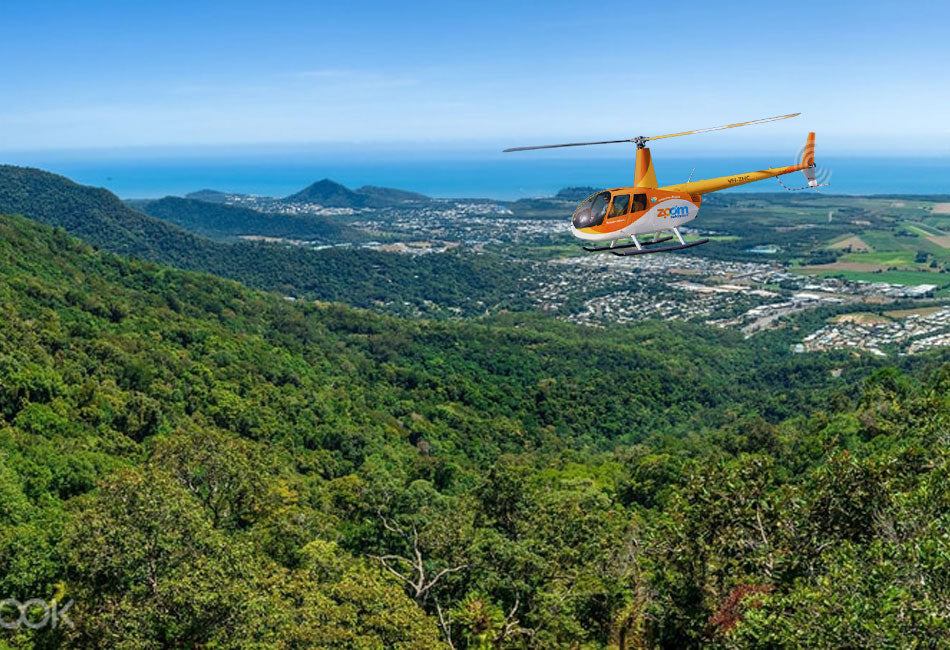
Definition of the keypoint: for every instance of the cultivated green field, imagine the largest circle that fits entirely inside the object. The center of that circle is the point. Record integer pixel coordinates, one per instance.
(891, 277)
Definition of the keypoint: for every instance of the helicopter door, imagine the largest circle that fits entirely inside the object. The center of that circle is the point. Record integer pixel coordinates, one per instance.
(620, 205)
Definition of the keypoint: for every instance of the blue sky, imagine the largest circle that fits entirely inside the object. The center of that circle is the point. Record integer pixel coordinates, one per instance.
(868, 76)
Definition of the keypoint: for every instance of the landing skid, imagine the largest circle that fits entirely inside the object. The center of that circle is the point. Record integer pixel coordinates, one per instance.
(661, 249)
(622, 246)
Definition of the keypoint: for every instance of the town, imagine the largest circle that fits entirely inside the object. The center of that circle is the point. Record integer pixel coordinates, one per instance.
(601, 289)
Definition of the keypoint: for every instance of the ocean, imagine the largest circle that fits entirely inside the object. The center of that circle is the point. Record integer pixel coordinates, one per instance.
(503, 177)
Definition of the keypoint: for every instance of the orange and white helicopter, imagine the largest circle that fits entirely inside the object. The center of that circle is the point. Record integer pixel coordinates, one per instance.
(645, 208)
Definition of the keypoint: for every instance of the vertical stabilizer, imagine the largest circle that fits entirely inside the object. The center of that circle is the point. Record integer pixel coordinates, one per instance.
(808, 157)
(808, 161)
(645, 176)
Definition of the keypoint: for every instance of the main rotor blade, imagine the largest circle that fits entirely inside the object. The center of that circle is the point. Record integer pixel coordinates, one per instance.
(570, 144)
(728, 126)
(655, 137)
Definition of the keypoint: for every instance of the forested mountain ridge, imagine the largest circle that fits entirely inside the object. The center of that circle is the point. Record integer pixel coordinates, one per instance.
(96, 216)
(193, 463)
(431, 285)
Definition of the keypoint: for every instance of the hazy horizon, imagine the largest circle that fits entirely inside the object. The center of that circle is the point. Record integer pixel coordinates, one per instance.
(495, 176)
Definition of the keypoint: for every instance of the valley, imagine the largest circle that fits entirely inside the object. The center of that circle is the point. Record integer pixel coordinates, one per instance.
(771, 258)
(570, 448)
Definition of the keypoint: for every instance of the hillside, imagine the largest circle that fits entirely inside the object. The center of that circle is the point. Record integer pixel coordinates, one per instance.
(577, 194)
(227, 222)
(192, 463)
(389, 196)
(331, 194)
(434, 285)
(209, 196)
(96, 216)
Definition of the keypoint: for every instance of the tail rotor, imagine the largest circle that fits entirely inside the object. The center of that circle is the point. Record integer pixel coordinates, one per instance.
(815, 175)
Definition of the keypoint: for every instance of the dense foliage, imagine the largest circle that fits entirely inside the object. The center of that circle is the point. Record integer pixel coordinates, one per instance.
(192, 463)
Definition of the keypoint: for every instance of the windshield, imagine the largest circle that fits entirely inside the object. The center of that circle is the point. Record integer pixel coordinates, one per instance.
(592, 211)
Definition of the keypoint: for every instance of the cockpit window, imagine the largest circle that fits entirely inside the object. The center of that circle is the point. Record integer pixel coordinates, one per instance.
(592, 211)
(619, 207)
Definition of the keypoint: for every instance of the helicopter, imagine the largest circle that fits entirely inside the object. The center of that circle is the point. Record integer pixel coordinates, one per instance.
(647, 209)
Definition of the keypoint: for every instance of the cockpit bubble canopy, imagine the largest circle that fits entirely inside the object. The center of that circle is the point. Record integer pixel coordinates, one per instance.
(591, 212)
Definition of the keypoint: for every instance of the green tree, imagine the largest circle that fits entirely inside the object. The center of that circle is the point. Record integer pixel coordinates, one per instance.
(146, 569)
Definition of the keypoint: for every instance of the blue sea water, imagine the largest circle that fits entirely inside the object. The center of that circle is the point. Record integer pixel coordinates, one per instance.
(500, 177)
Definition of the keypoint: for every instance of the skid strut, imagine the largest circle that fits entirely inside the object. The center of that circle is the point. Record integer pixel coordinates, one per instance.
(664, 249)
(635, 247)
(661, 249)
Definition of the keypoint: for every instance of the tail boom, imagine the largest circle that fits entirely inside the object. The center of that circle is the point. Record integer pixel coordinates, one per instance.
(807, 166)
(723, 182)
